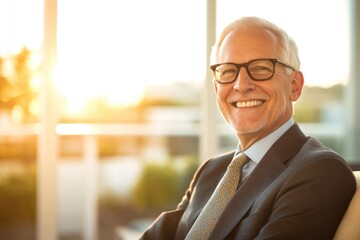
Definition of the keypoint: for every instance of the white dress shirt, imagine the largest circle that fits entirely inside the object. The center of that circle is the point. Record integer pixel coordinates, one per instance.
(257, 151)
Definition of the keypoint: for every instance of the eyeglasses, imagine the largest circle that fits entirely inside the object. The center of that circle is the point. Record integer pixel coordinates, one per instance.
(258, 70)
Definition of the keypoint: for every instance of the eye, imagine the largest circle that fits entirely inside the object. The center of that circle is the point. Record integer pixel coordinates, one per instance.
(226, 70)
(260, 69)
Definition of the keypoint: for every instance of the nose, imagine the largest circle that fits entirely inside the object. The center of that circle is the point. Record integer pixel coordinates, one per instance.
(243, 81)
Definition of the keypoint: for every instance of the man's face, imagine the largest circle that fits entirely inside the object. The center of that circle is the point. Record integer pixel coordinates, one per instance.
(255, 108)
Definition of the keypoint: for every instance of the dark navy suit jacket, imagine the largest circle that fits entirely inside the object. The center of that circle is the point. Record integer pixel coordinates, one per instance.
(299, 190)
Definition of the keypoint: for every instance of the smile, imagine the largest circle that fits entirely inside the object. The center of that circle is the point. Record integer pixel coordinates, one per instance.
(253, 103)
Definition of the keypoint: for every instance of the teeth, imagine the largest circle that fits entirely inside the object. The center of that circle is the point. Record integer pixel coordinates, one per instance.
(249, 103)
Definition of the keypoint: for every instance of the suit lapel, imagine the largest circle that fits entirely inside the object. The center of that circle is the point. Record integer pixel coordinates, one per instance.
(208, 177)
(268, 169)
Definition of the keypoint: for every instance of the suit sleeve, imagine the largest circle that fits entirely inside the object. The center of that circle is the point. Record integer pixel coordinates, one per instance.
(311, 203)
(164, 227)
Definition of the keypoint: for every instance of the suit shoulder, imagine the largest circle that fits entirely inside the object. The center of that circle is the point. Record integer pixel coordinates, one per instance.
(315, 150)
(215, 164)
(314, 155)
(222, 159)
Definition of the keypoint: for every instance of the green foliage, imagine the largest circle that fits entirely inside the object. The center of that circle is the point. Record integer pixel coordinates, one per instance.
(161, 186)
(314, 100)
(157, 186)
(18, 199)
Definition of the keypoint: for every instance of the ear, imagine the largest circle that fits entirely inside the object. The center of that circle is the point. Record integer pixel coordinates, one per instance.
(297, 85)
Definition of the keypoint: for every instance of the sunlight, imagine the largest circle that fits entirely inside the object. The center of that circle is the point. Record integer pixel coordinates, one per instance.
(113, 50)
(118, 53)
(21, 25)
(79, 85)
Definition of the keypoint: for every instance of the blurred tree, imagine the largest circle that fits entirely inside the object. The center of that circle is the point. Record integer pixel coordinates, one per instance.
(315, 101)
(18, 205)
(15, 88)
(157, 187)
(5, 104)
(161, 186)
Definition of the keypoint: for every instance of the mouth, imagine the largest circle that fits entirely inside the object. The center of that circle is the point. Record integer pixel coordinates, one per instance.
(246, 104)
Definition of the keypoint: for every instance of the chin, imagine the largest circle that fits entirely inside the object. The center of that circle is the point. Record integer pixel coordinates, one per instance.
(250, 128)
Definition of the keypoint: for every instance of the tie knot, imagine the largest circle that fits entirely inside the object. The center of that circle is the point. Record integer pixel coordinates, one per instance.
(240, 160)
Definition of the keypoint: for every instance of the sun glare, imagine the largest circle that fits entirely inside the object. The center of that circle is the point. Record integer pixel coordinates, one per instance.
(125, 48)
(78, 85)
(113, 49)
(20, 25)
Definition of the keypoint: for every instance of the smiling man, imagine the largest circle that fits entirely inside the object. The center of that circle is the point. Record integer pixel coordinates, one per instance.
(278, 183)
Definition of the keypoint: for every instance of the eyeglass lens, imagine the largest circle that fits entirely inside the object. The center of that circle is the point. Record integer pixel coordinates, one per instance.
(257, 70)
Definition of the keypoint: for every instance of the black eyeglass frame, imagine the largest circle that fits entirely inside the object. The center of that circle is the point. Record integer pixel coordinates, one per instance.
(245, 65)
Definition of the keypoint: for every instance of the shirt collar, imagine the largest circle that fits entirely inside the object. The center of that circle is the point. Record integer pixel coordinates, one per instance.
(257, 151)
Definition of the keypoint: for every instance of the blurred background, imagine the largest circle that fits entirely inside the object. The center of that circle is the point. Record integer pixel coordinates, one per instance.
(107, 107)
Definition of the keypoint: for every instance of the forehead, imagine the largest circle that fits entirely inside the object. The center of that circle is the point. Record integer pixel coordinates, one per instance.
(242, 45)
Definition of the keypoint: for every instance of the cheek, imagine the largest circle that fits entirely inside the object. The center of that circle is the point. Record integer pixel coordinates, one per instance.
(221, 103)
(284, 91)
(221, 93)
(281, 99)
(223, 106)
(283, 103)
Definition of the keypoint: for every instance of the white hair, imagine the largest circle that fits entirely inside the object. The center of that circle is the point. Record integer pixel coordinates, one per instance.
(288, 45)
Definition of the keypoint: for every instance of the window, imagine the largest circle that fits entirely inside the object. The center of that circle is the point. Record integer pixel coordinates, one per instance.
(132, 88)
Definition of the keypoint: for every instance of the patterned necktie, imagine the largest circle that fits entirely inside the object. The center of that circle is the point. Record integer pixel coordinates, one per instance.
(222, 195)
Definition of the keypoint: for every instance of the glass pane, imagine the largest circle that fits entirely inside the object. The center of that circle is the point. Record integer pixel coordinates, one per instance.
(129, 77)
(114, 53)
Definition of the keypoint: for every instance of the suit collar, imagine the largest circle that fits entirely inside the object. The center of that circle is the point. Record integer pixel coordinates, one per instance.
(258, 150)
(269, 168)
